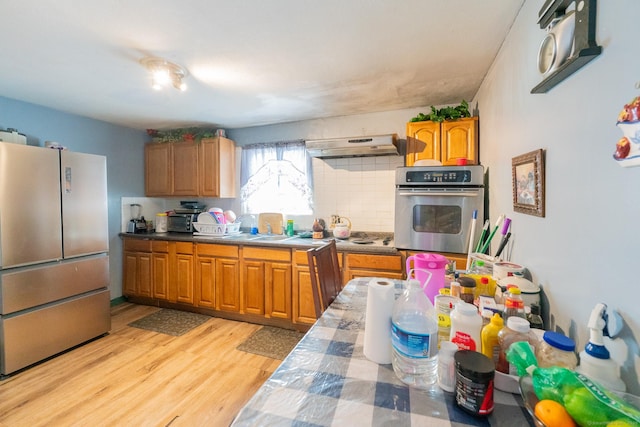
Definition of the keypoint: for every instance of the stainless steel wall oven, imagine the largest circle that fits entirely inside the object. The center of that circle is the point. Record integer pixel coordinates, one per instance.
(434, 206)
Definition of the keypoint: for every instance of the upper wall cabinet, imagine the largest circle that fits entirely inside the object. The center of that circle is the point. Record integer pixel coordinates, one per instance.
(445, 142)
(187, 168)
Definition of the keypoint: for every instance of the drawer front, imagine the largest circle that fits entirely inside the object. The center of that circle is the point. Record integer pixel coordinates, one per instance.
(266, 254)
(300, 257)
(226, 251)
(159, 246)
(184, 248)
(375, 262)
(137, 245)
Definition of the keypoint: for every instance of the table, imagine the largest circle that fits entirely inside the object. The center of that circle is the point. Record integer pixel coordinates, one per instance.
(327, 381)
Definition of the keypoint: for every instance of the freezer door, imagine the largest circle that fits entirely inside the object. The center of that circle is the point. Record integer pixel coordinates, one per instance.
(34, 335)
(29, 205)
(32, 286)
(84, 204)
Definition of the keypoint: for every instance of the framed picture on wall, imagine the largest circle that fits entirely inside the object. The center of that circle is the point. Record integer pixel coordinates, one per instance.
(527, 172)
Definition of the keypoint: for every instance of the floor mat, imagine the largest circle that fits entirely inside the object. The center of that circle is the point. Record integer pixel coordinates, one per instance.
(170, 322)
(272, 342)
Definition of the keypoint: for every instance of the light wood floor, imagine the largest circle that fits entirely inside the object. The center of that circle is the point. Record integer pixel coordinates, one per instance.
(134, 377)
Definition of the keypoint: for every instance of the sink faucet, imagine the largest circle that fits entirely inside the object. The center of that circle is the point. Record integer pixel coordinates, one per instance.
(268, 228)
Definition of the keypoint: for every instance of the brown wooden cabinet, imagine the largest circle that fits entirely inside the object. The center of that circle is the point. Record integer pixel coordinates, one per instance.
(217, 168)
(188, 168)
(446, 141)
(158, 169)
(218, 277)
(371, 265)
(159, 269)
(137, 276)
(182, 284)
(160, 262)
(303, 308)
(262, 284)
(266, 282)
(185, 168)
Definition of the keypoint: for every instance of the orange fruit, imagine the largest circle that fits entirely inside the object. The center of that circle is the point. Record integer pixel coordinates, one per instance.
(553, 414)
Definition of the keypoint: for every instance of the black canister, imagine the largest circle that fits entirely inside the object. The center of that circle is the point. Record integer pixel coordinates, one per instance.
(474, 382)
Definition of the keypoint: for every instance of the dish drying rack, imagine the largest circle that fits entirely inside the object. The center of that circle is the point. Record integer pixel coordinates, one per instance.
(216, 230)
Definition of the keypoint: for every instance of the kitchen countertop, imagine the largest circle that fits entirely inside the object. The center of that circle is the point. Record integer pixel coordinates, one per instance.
(278, 240)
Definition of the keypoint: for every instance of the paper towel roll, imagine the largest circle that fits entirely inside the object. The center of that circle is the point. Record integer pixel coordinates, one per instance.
(377, 323)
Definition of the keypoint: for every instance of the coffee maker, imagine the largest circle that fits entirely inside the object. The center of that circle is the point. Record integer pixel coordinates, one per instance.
(137, 223)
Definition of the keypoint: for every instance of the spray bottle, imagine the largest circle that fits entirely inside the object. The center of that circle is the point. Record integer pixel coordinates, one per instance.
(595, 361)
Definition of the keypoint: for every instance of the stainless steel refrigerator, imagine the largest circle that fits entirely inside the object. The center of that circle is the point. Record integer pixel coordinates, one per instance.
(54, 261)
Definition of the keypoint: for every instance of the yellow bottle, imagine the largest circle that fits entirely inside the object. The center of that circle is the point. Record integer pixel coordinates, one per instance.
(489, 338)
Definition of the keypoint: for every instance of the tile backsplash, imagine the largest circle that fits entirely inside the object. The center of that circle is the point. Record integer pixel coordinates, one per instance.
(360, 188)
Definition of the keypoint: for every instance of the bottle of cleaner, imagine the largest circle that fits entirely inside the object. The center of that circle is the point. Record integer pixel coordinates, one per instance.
(414, 338)
(489, 338)
(595, 361)
(466, 325)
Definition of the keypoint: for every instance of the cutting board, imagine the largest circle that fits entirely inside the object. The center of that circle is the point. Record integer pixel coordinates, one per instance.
(275, 219)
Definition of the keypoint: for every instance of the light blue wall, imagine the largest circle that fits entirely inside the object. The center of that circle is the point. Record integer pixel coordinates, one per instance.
(123, 147)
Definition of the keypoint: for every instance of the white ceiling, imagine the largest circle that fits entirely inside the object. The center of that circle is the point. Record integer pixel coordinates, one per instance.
(250, 62)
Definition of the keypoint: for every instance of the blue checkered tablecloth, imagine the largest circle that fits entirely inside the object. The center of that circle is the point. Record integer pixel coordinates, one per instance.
(327, 381)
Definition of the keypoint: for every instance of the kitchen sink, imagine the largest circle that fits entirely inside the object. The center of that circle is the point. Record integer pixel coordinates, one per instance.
(272, 237)
(243, 236)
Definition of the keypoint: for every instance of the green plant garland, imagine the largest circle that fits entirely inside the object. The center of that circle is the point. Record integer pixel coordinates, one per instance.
(445, 113)
(181, 134)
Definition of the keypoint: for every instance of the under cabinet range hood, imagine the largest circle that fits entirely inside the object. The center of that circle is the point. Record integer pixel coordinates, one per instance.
(376, 145)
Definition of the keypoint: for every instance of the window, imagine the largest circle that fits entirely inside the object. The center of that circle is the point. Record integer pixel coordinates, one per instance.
(276, 177)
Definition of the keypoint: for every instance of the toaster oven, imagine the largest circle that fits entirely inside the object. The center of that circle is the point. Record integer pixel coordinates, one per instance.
(181, 222)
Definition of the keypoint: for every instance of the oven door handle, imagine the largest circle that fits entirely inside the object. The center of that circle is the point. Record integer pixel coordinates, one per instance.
(469, 193)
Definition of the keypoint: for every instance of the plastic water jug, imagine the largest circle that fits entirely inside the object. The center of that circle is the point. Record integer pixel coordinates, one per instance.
(433, 263)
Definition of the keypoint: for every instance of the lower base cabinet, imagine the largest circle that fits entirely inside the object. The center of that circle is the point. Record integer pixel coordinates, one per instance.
(303, 310)
(266, 282)
(259, 284)
(218, 277)
(137, 268)
(372, 265)
(181, 275)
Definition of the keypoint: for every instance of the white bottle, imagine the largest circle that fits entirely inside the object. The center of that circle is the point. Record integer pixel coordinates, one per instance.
(414, 338)
(447, 366)
(466, 325)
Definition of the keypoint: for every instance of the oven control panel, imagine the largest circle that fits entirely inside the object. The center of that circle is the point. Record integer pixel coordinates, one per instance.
(459, 176)
(472, 175)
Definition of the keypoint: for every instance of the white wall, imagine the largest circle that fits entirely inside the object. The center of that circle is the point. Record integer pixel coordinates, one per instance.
(585, 248)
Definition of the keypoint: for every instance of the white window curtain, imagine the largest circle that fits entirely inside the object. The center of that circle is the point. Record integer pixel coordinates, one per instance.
(276, 177)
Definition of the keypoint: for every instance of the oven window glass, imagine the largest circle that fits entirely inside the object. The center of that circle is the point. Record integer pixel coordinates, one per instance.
(437, 219)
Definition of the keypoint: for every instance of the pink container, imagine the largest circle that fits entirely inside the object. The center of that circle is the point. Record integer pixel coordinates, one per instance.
(433, 263)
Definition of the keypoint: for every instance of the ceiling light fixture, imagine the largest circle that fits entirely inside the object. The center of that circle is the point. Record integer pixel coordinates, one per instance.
(164, 73)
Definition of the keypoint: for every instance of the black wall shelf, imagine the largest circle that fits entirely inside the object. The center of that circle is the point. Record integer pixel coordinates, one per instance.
(585, 47)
